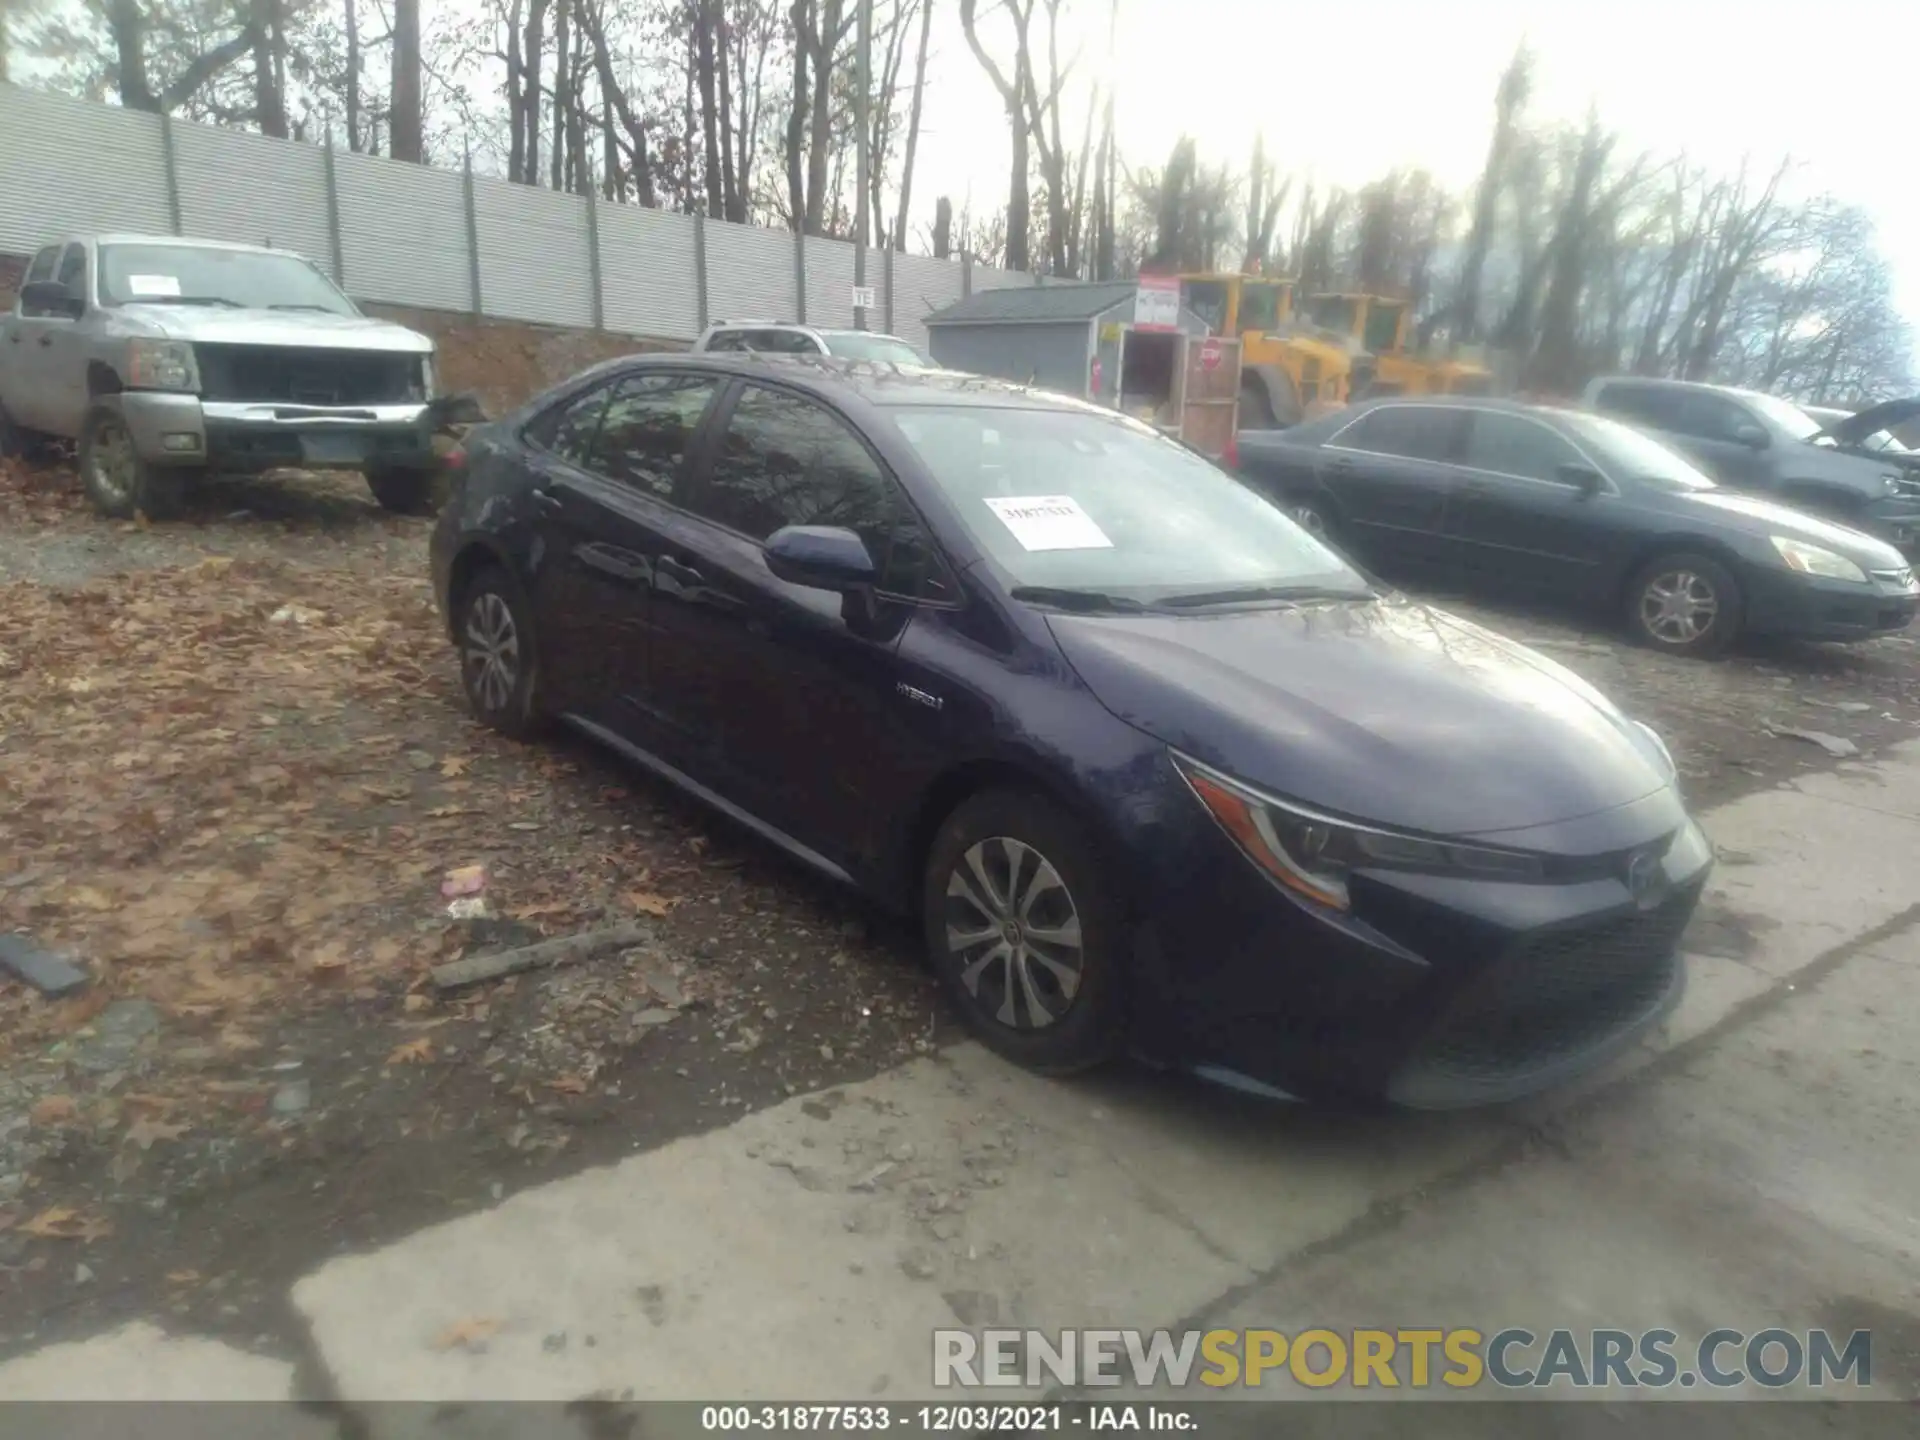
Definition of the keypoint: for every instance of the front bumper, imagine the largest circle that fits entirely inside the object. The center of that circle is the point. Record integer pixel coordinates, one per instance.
(1895, 519)
(1811, 607)
(1433, 992)
(247, 437)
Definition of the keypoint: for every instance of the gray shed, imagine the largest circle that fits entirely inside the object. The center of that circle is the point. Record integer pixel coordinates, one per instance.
(1050, 335)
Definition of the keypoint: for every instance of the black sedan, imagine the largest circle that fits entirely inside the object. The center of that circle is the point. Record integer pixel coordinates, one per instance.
(1576, 507)
(1153, 767)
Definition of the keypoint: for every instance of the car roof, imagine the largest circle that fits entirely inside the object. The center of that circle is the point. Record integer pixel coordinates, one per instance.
(878, 383)
(1459, 402)
(176, 242)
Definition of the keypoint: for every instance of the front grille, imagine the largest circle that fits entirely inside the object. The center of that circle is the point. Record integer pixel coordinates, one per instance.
(1551, 999)
(306, 377)
(1898, 579)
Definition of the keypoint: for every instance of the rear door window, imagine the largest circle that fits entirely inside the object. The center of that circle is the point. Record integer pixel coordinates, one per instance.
(1411, 432)
(1516, 445)
(648, 428)
(568, 428)
(1639, 404)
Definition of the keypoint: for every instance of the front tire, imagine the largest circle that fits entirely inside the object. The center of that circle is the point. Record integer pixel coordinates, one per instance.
(499, 667)
(1024, 933)
(118, 480)
(1684, 604)
(406, 489)
(1314, 514)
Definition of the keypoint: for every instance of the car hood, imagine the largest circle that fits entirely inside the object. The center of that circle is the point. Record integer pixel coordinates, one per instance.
(1753, 515)
(306, 329)
(1385, 711)
(1887, 415)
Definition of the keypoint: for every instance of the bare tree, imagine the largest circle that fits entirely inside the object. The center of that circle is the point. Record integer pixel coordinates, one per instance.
(1264, 199)
(637, 142)
(913, 131)
(128, 24)
(1746, 232)
(1516, 83)
(1013, 96)
(405, 122)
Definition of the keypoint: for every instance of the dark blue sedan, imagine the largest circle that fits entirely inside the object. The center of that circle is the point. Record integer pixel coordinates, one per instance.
(1153, 767)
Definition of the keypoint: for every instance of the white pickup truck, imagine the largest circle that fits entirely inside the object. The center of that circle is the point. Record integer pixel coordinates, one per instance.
(163, 358)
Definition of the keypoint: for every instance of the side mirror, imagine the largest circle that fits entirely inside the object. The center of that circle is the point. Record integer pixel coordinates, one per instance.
(823, 557)
(1751, 436)
(1583, 478)
(53, 297)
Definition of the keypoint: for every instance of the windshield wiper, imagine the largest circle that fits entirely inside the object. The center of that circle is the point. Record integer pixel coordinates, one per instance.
(187, 300)
(1247, 593)
(1068, 599)
(320, 309)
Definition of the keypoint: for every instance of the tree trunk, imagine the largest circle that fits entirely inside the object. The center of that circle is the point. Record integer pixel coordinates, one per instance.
(913, 128)
(802, 17)
(562, 91)
(723, 58)
(1013, 95)
(705, 22)
(636, 127)
(943, 228)
(269, 101)
(820, 139)
(579, 165)
(353, 76)
(533, 42)
(404, 137)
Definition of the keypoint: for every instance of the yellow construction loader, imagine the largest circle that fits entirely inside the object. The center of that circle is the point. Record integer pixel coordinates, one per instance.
(1288, 370)
(1378, 324)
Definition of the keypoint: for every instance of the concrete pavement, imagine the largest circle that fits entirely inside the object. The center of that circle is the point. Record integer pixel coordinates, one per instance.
(808, 1250)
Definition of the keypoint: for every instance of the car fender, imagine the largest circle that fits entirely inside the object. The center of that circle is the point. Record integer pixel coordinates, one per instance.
(1696, 542)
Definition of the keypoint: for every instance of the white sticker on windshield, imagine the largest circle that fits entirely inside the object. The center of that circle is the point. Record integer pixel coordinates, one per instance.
(153, 286)
(1049, 522)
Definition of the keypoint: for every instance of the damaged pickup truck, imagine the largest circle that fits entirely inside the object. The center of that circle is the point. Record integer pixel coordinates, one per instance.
(164, 359)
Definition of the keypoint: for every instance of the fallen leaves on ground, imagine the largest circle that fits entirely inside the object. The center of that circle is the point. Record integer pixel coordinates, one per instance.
(413, 1052)
(54, 1110)
(568, 1085)
(645, 902)
(146, 1133)
(468, 1334)
(63, 1222)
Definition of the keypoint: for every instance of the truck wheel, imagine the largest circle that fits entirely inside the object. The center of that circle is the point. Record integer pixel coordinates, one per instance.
(117, 480)
(406, 489)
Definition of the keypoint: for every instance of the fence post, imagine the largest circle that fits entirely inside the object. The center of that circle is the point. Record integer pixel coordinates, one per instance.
(886, 277)
(473, 237)
(799, 276)
(333, 220)
(700, 268)
(593, 261)
(173, 174)
(966, 276)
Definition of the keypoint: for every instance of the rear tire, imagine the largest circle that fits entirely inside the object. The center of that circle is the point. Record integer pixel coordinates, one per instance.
(1684, 604)
(1025, 934)
(499, 654)
(407, 489)
(119, 482)
(1314, 514)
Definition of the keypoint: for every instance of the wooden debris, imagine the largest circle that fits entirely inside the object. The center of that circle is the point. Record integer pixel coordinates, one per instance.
(561, 951)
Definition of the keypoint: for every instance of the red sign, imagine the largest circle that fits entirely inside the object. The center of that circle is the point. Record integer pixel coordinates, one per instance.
(1212, 352)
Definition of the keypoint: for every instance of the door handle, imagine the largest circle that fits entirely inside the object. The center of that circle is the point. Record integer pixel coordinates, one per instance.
(678, 570)
(1340, 464)
(46, 339)
(13, 339)
(546, 499)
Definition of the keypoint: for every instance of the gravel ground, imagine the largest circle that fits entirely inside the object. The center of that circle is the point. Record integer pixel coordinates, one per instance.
(254, 818)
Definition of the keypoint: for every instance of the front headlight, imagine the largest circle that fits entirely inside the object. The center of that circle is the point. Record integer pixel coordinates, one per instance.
(162, 365)
(1816, 560)
(1313, 854)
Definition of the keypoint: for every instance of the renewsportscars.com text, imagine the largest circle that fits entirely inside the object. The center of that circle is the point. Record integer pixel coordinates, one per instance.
(1459, 1358)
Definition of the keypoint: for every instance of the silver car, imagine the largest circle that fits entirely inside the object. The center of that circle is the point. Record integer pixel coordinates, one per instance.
(774, 337)
(163, 358)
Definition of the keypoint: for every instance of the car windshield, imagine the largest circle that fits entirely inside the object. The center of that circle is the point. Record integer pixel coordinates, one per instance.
(1797, 424)
(194, 274)
(855, 345)
(1636, 455)
(1072, 501)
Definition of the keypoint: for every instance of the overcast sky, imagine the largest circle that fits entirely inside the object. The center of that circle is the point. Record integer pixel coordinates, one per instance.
(1349, 91)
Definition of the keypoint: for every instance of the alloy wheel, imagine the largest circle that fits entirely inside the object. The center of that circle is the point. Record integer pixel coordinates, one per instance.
(1013, 933)
(1677, 607)
(112, 462)
(1310, 519)
(492, 651)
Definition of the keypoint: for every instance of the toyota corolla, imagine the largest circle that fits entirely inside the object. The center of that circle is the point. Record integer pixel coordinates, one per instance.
(1154, 768)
